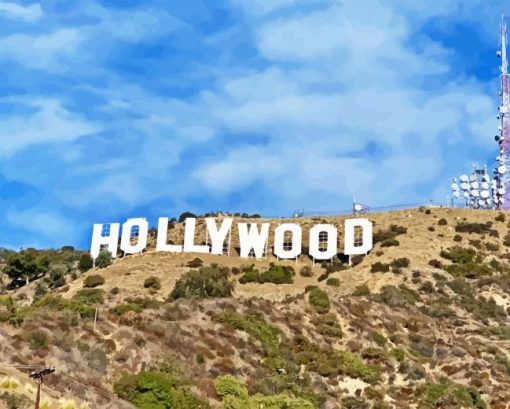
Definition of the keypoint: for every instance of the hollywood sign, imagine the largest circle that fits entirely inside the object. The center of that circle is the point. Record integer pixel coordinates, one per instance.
(253, 241)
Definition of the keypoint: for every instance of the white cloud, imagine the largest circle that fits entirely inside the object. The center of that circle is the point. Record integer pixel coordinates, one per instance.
(30, 13)
(49, 122)
(52, 51)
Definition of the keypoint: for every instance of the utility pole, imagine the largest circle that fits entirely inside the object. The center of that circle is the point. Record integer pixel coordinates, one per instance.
(39, 375)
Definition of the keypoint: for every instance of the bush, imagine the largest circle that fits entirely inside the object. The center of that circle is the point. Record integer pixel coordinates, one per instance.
(361, 290)
(121, 309)
(391, 233)
(402, 262)
(390, 243)
(186, 215)
(457, 238)
(39, 340)
(458, 255)
(500, 217)
(379, 267)
(156, 390)
(328, 325)
(250, 275)
(436, 264)
(442, 222)
(93, 281)
(56, 279)
(478, 228)
(104, 259)
(428, 211)
(306, 271)
(379, 339)
(152, 282)
(333, 282)
(195, 263)
(208, 282)
(228, 385)
(85, 263)
(319, 300)
(275, 274)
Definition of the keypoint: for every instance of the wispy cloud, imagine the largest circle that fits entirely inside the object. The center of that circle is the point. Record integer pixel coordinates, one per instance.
(30, 13)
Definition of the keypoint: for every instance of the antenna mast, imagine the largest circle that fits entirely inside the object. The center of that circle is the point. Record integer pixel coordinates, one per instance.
(502, 173)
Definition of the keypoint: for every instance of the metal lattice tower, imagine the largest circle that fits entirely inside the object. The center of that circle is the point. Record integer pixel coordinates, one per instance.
(502, 172)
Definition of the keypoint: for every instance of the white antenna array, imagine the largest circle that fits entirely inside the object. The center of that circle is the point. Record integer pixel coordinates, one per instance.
(477, 190)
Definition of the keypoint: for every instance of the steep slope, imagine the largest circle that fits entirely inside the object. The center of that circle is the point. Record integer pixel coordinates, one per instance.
(420, 322)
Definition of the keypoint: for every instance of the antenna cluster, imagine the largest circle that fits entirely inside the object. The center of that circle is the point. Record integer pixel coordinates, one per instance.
(479, 190)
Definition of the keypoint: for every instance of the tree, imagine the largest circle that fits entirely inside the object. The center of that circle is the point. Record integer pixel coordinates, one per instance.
(186, 215)
(104, 259)
(26, 265)
(85, 263)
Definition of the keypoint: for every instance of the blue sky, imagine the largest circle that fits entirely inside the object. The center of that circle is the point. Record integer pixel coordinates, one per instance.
(110, 110)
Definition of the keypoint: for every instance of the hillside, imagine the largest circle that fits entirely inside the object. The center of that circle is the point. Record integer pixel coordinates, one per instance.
(420, 322)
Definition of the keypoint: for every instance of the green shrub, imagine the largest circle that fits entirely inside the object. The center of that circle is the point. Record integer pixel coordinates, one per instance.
(500, 217)
(432, 395)
(254, 324)
(332, 281)
(457, 238)
(391, 233)
(478, 228)
(208, 282)
(195, 263)
(379, 339)
(250, 274)
(228, 385)
(319, 300)
(442, 222)
(390, 243)
(379, 267)
(398, 354)
(93, 281)
(90, 296)
(38, 340)
(328, 325)
(402, 262)
(156, 390)
(152, 282)
(121, 309)
(104, 259)
(275, 274)
(459, 255)
(56, 278)
(361, 290)
(428, 211)
(85, 263)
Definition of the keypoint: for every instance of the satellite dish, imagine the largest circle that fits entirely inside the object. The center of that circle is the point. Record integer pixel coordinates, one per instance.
(501, 200)
(485, 194)
(496, 200)
(464, 178)
(456, 194)
(485, 185)
(486, 178)
(475, 185)
(473, 178)
(455, 186)
(502, 169)
(358, 207)
(466, 194)
(475, 193)
(464, 186)
(501, 191)
(489, 202)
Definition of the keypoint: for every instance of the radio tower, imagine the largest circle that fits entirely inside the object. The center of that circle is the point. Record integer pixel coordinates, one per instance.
(502, 173)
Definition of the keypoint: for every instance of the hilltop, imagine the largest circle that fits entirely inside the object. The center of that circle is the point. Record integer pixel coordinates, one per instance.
(420, 322)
